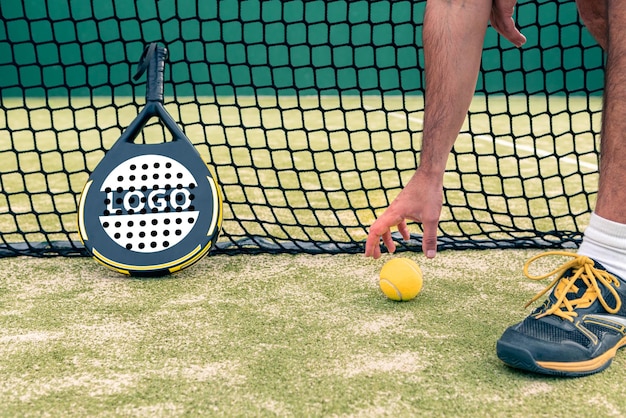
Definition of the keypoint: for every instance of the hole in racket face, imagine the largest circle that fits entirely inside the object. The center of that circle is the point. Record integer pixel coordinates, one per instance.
(149, 204)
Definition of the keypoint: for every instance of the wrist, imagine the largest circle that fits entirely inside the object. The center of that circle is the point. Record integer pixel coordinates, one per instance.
(424, 178)
(434, 172)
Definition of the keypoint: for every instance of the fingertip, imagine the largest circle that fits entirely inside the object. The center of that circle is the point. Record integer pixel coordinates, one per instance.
(372, 248)
(371, 243)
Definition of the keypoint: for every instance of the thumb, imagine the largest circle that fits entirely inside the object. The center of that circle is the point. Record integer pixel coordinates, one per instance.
(505, 25)
(514, 36)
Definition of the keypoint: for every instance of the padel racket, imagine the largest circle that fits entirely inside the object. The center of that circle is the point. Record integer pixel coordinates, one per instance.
(150, 209)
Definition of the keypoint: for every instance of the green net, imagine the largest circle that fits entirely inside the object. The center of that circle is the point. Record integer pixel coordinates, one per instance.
(310, 114)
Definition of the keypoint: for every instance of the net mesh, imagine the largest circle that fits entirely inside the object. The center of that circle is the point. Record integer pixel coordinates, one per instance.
(310, 114)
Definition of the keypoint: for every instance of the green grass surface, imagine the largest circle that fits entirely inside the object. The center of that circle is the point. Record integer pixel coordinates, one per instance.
(277, 336)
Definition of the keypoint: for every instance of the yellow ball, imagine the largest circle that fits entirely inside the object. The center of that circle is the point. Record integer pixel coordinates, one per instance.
(401, 279)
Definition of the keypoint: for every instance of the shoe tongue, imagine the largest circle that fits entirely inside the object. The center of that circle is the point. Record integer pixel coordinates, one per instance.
(575, 291)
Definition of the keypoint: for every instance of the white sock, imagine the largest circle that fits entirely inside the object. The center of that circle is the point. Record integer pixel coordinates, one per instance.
(605, 242)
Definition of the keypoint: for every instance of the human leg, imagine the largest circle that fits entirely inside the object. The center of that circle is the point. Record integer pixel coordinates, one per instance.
(611, 190)
(579, 328)
(605, 237)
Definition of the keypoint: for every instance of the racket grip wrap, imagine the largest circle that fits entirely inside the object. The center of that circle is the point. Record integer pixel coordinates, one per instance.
(156, 68)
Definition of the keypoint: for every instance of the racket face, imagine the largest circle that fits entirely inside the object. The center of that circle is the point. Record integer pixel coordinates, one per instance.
(150, 209)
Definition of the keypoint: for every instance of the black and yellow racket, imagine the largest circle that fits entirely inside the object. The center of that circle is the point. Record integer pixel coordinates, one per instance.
(150, 209)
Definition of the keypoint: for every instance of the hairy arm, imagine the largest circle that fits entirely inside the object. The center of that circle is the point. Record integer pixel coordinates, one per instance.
(453, 41)
(453, 35)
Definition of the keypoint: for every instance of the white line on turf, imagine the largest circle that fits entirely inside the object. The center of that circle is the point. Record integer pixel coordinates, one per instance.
(502, 142)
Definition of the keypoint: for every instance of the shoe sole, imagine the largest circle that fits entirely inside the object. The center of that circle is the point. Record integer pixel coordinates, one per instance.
(521, 358)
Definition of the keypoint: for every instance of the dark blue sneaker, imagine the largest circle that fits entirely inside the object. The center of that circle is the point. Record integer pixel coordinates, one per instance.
(577, 330)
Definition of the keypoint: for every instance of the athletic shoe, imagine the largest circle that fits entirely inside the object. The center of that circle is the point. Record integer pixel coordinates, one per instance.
(577, 330)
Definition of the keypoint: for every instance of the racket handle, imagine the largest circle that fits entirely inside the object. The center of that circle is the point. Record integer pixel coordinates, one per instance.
(156, 68)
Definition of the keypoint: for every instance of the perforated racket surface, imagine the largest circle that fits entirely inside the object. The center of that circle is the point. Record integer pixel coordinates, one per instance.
(150, 209)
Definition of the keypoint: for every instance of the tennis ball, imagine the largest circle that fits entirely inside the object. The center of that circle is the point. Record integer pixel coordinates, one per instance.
(401, 279)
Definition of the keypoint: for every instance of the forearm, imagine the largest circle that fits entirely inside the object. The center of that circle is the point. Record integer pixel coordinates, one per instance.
(454, 33)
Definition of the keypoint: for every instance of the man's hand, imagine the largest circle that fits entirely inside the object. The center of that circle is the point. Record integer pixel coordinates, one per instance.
(502, 21)
(420, 201)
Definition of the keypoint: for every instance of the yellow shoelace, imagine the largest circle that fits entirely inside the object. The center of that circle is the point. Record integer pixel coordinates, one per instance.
(582, 267)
